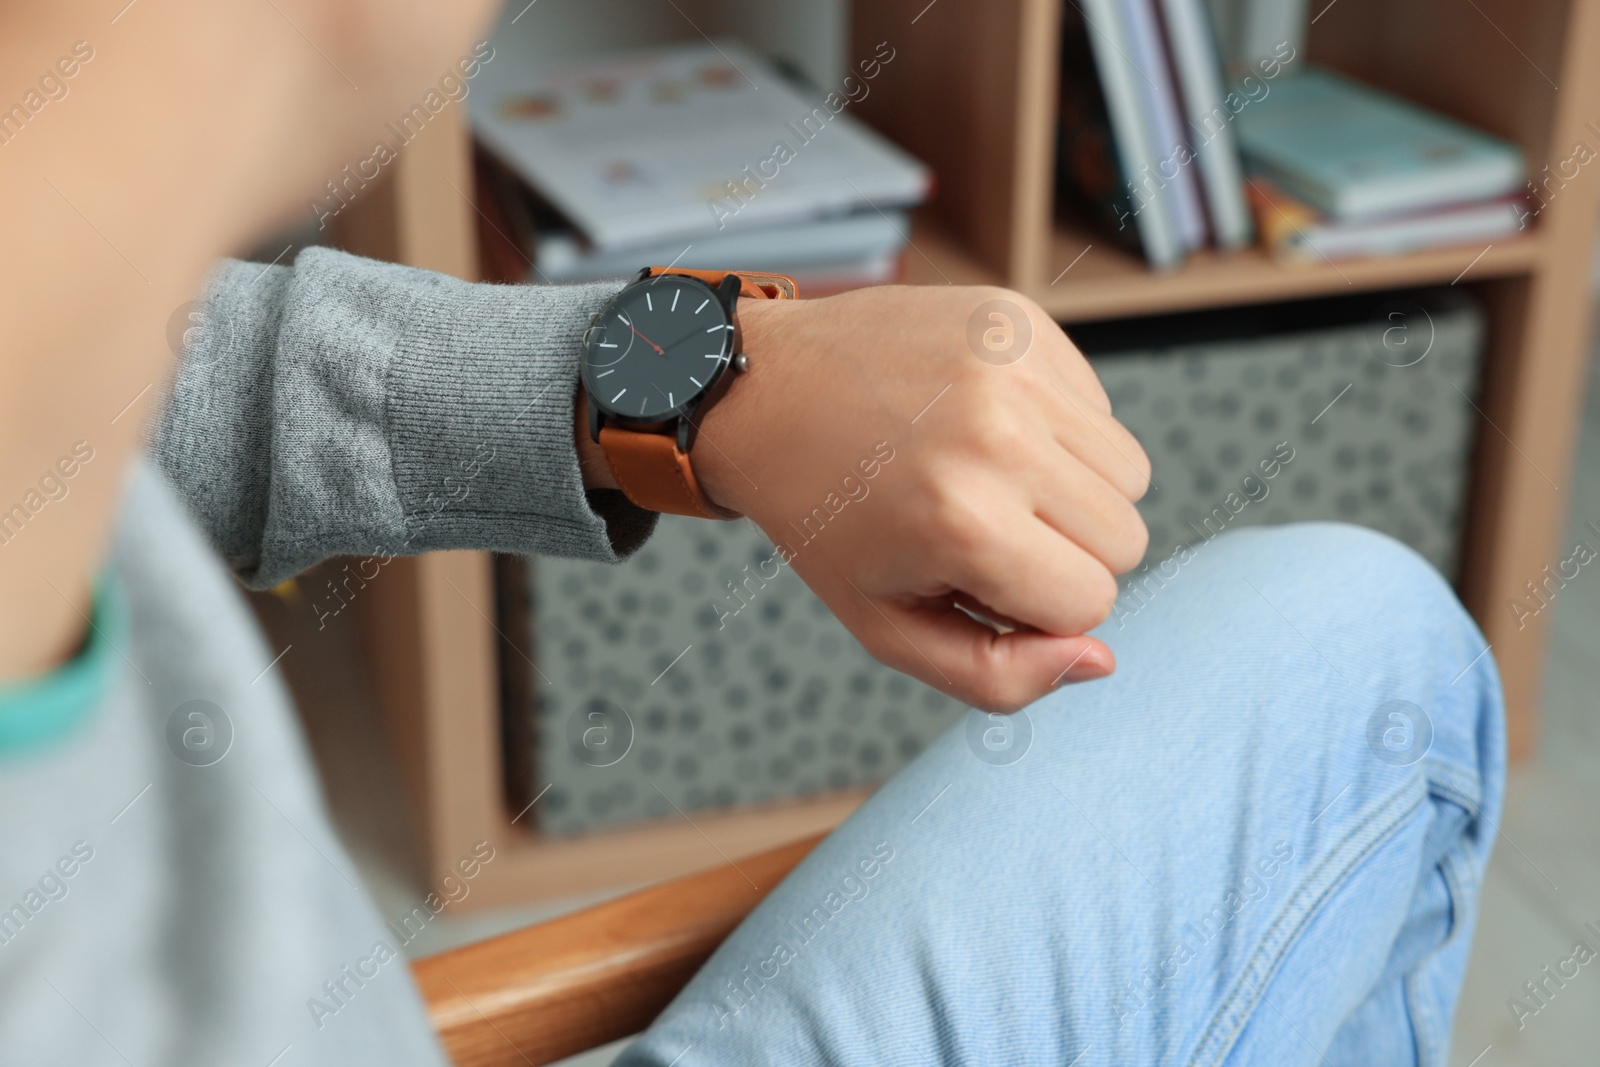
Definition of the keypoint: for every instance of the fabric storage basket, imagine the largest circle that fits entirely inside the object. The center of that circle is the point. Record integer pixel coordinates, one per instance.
(1356, 410)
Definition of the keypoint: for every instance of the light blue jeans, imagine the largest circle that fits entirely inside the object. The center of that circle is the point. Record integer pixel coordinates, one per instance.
(1259, 842)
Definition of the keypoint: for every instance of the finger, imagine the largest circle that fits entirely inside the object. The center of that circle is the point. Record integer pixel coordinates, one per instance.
(1101, 441)
(970, 661)
(1078, 503)
(1027, 570)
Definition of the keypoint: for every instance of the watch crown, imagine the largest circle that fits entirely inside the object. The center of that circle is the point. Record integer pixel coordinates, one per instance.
(741, 362)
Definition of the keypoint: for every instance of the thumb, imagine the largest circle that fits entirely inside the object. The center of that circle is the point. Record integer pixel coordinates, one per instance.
(955, 654)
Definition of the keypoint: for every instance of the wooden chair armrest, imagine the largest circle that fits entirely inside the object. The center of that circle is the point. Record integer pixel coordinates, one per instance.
(574, 983)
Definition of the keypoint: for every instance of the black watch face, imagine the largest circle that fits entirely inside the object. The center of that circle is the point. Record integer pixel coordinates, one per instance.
(659, 344)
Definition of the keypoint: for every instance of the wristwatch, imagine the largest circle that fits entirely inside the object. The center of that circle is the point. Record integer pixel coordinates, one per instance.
(654, 359)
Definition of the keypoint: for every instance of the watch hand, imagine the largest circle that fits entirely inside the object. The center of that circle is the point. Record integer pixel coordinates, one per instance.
(680, 340)
(659, 350)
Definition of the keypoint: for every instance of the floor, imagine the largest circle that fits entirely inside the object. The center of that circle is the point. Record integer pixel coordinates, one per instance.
(1543, 883)
(1544, 879)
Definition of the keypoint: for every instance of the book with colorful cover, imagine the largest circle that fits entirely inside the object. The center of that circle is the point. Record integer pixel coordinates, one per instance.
(1353, 152)
(1295, 232)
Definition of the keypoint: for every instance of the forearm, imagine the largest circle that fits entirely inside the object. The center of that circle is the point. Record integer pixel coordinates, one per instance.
(346, 406)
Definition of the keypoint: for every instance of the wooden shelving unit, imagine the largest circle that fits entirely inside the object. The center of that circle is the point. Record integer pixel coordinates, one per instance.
(972, 90)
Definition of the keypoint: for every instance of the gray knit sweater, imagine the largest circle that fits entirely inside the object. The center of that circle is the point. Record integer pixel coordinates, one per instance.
(335, 406)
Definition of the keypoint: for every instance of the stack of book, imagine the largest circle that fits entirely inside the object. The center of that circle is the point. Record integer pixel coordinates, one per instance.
(700, 156)
(1339, 170)
(1195, 123)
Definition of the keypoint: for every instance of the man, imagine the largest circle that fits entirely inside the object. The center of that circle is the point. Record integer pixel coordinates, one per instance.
(1198, 857)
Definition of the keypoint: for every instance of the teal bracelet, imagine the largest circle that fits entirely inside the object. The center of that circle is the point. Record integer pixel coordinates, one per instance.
(38, 711)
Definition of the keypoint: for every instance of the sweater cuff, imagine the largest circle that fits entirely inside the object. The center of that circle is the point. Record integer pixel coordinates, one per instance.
(481, 405)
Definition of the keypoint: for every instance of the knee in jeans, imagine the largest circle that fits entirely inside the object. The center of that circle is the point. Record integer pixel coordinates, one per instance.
(1425, 648)
(1344, 564)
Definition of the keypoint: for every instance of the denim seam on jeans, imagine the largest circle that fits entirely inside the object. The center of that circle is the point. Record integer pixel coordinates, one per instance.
(1341, 861)
(1425, 1024)
(1469, 799)
(1453, 784)
(1449, 867)
(1432, 1033)
(1445, 780)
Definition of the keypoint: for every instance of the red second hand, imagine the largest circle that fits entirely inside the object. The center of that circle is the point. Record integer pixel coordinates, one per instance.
(646, 340)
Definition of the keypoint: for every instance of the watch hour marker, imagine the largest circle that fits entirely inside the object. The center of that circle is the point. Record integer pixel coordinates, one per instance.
(696, 382)
(623, 319)
(643, 400)
(648, 302)
(604, 344)
(603, 373)
(713, 355)
(670, 402)
(702, 306)
(618, 396)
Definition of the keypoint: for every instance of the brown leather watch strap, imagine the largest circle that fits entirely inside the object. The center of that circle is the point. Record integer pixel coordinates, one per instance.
(648, 467)
(655, 475)
(755, 283)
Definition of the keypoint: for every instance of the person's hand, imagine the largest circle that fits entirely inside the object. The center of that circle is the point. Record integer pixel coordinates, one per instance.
(901, 474)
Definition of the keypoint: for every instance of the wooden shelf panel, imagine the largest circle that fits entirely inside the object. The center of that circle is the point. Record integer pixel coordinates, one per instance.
(1107, 282)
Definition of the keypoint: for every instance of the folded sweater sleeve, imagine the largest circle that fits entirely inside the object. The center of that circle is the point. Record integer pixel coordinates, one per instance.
(342, 406)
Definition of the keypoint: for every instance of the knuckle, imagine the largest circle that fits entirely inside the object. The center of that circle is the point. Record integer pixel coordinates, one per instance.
(1100, 597)
(1133, 539)
(1140, 544)
(988, 420)
(954, 520)
(998, 434)
(1141, 463)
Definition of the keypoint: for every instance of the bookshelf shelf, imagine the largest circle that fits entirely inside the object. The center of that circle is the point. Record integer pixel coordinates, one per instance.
(1108, 282)
(972, 91)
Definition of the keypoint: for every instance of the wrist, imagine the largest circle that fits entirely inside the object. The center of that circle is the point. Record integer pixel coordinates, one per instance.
(592, 462)
(720, 455)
